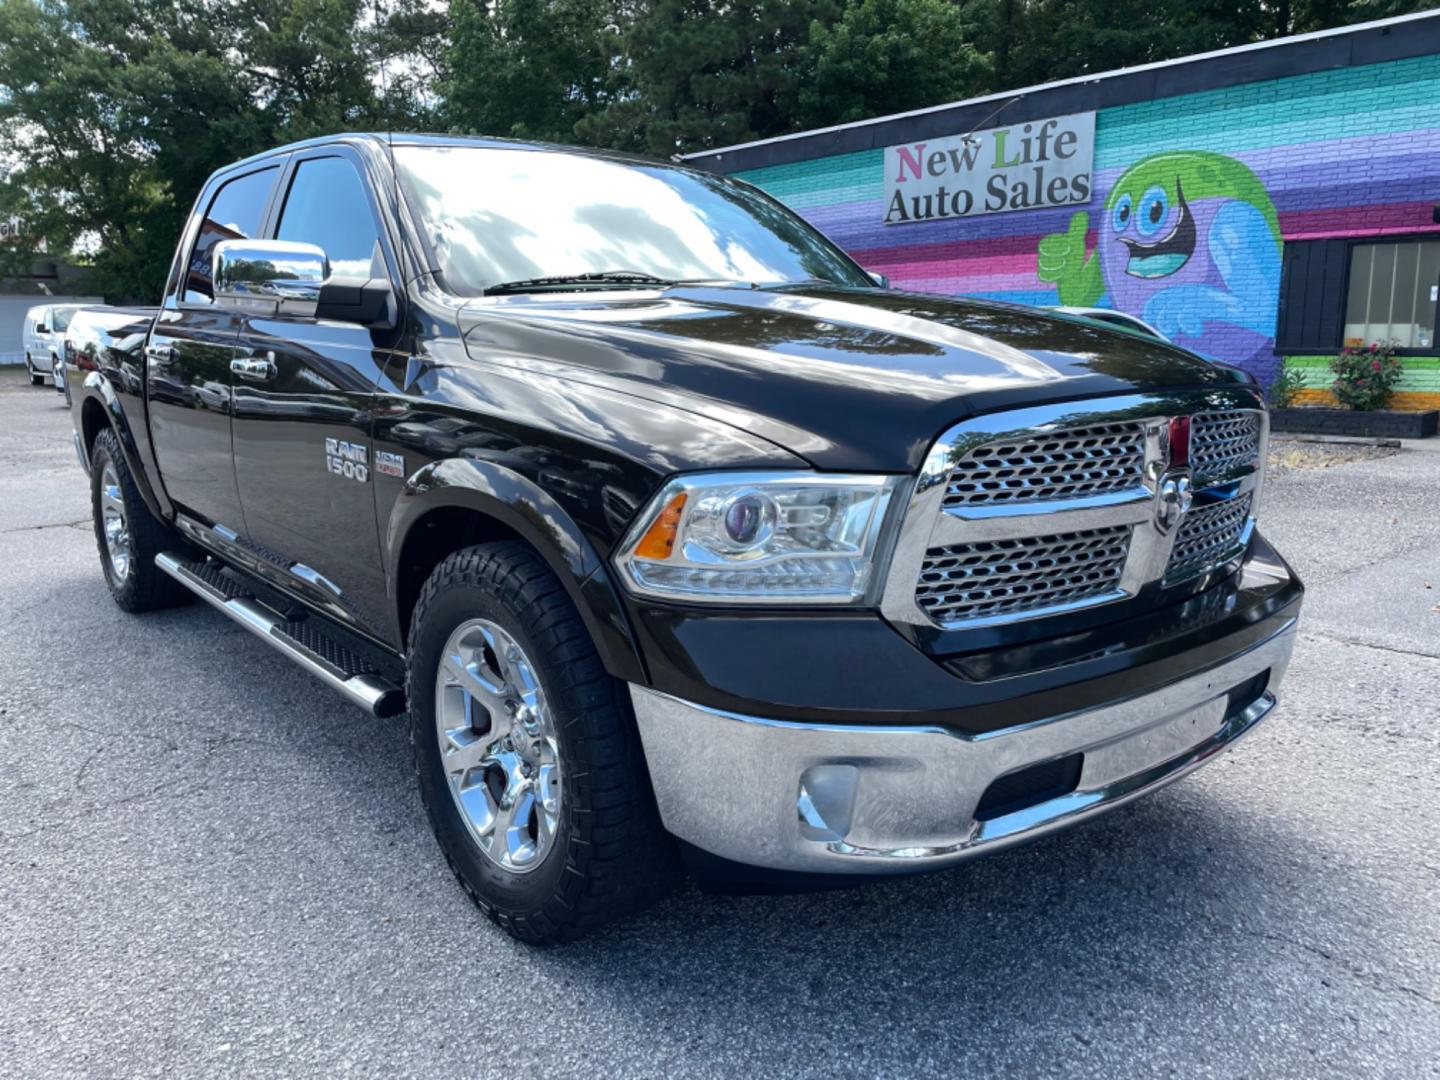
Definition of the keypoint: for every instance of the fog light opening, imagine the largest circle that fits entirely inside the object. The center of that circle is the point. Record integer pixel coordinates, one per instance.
(825, 801)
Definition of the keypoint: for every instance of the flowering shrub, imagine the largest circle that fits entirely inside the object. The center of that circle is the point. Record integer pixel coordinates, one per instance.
(1365, 375)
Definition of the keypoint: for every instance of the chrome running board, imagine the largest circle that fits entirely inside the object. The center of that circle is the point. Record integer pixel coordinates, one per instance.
(303, 641)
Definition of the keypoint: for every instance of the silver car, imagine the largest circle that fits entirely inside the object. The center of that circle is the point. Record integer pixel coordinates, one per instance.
(1111, 317)
(44, 339)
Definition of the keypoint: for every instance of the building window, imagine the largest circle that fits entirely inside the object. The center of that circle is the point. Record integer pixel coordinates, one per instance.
(1393, 293)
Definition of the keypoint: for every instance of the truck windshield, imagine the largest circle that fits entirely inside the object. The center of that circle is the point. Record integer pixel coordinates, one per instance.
(499, 216)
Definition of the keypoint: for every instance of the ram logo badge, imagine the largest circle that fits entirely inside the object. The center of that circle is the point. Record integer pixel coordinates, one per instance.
(1173, 500)
(347, 459)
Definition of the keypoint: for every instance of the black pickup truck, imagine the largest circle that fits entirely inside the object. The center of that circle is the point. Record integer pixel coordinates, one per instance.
(681, 539)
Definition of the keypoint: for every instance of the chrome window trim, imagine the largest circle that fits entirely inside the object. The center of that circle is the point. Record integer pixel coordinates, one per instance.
(927, 523)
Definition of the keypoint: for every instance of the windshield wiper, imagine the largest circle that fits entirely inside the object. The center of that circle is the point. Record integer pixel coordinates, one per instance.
(634, 278)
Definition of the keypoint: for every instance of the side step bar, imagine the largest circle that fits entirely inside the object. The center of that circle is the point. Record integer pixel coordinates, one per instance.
(319, 654)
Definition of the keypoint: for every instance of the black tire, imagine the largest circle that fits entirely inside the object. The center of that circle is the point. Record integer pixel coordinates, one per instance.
(143, 586)
(36, 379)
(610, 857)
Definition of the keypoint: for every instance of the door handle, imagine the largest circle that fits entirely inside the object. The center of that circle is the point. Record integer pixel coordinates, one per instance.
(257, 368)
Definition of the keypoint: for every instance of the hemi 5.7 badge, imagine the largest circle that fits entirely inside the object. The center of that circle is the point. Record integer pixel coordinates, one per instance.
(389, 464)
(347, 459)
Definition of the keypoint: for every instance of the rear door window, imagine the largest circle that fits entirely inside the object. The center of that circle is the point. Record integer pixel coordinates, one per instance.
(235, 213)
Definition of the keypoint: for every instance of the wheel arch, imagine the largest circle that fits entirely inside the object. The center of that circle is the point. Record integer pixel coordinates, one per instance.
(100, 408)
(93, 420)
(459, 502)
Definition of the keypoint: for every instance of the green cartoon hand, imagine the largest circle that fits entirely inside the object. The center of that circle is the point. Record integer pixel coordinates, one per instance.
(1064, 253)
(1061, 259)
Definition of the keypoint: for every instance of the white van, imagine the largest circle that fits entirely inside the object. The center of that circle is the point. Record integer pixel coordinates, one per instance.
(44, 338)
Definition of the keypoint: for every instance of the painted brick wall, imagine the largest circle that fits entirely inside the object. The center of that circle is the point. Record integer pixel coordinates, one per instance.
(1418, 388)
(1349, 152)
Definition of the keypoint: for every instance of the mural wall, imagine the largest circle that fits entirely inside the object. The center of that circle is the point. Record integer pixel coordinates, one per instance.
(1190, 242)
(1193, 197)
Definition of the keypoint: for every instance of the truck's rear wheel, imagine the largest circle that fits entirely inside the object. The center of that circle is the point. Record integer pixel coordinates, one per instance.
(526, 751)
(128, 535)
(36, 379)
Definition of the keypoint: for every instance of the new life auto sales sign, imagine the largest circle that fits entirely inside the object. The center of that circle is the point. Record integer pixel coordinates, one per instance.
(1018, 167)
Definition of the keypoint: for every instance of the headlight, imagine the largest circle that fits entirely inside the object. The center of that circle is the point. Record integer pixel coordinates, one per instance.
(759, 538)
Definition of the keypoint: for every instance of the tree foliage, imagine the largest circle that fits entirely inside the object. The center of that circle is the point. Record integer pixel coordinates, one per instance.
(888, 56)
(697, 73)
(530, 69)
(1043, 40)
(113, 112)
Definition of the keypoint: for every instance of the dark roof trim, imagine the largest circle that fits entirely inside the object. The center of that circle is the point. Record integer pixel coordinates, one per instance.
(1352, 46)
(379, 139)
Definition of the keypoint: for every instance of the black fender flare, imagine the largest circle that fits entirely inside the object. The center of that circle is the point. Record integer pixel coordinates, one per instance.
(98, 387)
(525, 508)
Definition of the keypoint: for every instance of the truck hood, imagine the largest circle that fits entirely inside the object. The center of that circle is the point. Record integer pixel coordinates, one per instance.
(856, 379)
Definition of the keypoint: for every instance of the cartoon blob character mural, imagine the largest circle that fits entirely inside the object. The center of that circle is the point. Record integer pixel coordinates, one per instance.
(1190, 242)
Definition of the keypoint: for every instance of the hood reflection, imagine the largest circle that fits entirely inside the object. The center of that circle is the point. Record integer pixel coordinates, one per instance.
(798, 364)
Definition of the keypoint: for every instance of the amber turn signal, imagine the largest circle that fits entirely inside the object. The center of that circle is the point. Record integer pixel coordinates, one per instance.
(659, 540)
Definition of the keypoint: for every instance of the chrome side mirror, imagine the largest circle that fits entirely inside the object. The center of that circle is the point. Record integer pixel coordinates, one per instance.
(280, 277)
(880, 280)
(269, 277)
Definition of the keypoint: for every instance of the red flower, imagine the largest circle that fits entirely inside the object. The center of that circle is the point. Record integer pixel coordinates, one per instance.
(1375, 364)
(1374, 345)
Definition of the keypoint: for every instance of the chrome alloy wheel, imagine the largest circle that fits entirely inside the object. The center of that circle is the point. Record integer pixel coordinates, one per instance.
(498, 745)
(113, 523)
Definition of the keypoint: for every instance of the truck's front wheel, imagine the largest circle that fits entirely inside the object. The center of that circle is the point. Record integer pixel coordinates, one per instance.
(127, 534)
(526, 752)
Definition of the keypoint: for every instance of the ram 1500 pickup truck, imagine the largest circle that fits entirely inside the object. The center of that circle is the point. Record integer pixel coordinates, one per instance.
(681, 541)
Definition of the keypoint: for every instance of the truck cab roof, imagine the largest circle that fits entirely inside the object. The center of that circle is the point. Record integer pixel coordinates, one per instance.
(384, 139)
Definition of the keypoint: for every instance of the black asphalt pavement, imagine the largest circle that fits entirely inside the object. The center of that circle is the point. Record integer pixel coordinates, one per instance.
(210, 865)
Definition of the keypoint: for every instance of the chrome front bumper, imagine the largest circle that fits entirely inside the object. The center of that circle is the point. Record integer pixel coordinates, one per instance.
(846, 799)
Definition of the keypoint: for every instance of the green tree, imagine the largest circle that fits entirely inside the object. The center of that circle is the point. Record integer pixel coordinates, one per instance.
(1365, 10)
(698, 73)
(1040, 41)
(67, 117)
(528, 68)
(889, 56)
(115, 111)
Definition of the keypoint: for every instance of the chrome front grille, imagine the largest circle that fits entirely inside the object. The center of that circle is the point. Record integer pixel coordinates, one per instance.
(1026, 513)
(990, 578)
(1075, 463)
(1221, 442)
(1208, 537)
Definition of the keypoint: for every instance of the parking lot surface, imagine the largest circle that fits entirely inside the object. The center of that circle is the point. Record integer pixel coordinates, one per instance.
(212, 865)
